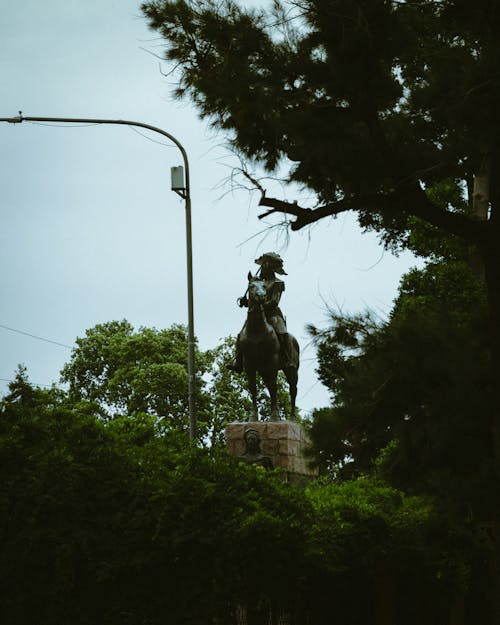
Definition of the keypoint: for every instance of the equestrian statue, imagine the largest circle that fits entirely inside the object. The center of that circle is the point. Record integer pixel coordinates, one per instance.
(264, 345)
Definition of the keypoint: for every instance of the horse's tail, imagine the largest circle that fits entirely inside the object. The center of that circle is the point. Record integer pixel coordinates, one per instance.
(294, 352)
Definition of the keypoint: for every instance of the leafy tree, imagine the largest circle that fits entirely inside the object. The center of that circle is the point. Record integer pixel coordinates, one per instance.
(368, 539)
(414, 376)
(420, 379)
(68, 499)
(412, 403)
(121, 521)
(368, 102)
(128, 372)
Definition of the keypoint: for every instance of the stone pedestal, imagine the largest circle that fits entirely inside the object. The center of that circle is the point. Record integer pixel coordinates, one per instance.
(283, 441)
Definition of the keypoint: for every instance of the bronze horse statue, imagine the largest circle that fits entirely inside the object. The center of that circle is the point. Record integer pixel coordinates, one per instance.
(260, 348)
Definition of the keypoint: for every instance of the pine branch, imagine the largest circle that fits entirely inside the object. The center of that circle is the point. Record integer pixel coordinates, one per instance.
(409, 201)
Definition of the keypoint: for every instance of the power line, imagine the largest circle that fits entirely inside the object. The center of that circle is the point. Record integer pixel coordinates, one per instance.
(167, 145)
(308, 391)
(32, 383)
(62, 125)
(34, 336)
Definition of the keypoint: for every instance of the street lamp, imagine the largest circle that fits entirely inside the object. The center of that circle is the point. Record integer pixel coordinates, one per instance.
(180, 185)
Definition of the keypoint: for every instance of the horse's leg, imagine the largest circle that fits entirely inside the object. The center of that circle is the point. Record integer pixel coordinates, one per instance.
(273, 393)
(270, 380)
(292, 372)
(252, 385)
(292, 377)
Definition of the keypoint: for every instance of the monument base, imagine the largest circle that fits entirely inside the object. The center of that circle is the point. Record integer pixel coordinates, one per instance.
(283, 442)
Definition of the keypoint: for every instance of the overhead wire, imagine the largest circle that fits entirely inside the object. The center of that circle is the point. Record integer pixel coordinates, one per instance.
(34, 383)
(72, 125)
(34, 336)
(167, 145)
(52, 125)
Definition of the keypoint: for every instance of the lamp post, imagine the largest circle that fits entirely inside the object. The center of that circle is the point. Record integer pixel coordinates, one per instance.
(181, 186)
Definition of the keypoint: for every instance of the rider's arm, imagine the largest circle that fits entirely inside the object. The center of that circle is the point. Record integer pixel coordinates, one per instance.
(274, 295)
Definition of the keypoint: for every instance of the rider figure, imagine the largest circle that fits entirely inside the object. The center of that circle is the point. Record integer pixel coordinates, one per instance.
(270, 264)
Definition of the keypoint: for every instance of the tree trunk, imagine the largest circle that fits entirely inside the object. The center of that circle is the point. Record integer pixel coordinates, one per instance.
(491, 258)
(481, 192)
(480, 209)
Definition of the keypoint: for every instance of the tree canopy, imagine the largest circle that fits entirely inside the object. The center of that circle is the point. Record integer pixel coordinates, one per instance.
(368, 100)
(415, 388)
(413, 402)
(383, 107)
(126, 372)
(112, 516)
(119, 521)
(371, 104)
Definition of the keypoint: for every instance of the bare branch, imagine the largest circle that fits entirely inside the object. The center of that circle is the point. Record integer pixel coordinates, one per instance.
(157, 56)
(254, 181)
(408, 201)
(306, 216)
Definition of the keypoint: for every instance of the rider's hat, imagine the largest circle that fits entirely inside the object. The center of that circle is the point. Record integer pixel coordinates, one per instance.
(274, 260)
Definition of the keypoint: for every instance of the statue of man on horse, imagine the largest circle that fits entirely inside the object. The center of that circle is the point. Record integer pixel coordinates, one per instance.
(264, 344)
(270, 264)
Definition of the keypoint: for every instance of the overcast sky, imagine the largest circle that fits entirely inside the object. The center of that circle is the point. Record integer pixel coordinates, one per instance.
(90, 231)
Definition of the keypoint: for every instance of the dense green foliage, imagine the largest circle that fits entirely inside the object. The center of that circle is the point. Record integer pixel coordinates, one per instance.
(109, 515)
(366, 100)
(128, 372)
(383, 107)
(358, 94)
(112, 517)
(415, 388)
(118, 521)
(413, 400)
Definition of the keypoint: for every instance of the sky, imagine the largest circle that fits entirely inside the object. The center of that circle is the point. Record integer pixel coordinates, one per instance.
(90, 230)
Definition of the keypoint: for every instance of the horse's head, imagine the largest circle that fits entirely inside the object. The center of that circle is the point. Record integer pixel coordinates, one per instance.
(256, 289)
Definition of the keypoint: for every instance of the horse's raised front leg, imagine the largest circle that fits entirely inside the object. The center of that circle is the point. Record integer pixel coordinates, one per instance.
(252, 385)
